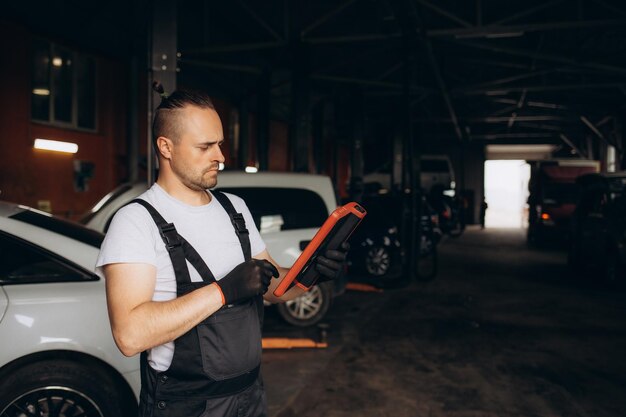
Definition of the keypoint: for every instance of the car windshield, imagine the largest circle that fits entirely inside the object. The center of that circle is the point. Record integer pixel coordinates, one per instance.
(60, 226)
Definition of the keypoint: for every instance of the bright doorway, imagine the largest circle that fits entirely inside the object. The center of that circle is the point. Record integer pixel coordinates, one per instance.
(506, 193)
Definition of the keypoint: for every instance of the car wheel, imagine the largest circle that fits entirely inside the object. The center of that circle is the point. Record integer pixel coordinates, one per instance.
(61, 388)
(377, 261)
(309, 308)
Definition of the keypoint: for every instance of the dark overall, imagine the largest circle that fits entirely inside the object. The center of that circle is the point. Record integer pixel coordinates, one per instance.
(215, 368)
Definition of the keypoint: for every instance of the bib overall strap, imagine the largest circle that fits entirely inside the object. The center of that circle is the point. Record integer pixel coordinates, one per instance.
(178, 248)
(239, 223)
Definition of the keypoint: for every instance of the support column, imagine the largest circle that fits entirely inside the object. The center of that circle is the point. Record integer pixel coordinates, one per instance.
(300, 123)
(318, 133)
(162, 58)
(356, 145)
(263, 119)
(244, 135)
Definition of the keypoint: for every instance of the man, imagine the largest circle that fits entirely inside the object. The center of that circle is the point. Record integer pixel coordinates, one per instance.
(185, 271)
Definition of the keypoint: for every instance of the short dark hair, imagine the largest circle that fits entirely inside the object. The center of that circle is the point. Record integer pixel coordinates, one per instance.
(166, 117)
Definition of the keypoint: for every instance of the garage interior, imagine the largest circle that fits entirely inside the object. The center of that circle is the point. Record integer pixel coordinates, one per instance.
(352, 89)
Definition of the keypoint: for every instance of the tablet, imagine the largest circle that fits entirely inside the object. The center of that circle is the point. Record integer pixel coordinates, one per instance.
(335, 230)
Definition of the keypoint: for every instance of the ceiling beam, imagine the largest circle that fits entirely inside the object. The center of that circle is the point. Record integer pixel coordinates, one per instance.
(595, 130)
(372, 37)
(259, 20)
(444, 13)
(571, 144)
(495, 31)
(531, 103)
(541, 126)
(220, 66)
(510, 79)
(535, 88)
(610, 7)
(495, 136)
(468, 33)
(543, 56)
(442, 87)
(235, 47)
(498, 119)
(326, 17)
(361, 81)
(527, 12)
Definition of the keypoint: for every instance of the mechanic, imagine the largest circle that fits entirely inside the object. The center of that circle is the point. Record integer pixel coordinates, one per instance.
(186, 273)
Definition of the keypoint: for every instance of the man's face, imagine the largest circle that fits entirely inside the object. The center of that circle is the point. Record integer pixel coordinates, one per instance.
(197, 154)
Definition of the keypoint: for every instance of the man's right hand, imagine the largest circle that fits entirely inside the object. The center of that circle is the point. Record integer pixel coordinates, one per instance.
(246, 280)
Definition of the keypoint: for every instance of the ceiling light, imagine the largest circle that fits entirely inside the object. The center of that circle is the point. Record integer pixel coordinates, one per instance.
(252, 169)
(221, 166)
(57, 62)
(41, 91)
(55, 145)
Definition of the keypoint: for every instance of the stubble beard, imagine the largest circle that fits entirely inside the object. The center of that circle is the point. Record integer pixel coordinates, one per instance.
(197, 182)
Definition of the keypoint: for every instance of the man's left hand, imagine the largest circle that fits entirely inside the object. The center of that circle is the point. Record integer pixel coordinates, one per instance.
(330, 265)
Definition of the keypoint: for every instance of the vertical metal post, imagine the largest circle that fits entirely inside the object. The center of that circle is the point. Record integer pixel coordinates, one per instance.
(263, 119)
(133, 121)
(244, 134)
(300, 123)
(357, 137)
(318, 131)
(162, 58)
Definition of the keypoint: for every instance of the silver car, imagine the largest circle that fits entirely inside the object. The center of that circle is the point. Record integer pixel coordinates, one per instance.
(57, 355)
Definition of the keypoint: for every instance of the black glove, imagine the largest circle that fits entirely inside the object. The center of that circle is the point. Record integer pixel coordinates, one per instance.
(330, 265)
(246, 280)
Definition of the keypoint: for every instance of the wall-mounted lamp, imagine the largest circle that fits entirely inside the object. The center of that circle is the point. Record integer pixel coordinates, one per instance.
(221, 166)
(41, 91)
(55, 145)
(252, 169)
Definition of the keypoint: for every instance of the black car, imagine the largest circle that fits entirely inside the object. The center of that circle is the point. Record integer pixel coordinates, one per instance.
(598, 244)
(377, 254)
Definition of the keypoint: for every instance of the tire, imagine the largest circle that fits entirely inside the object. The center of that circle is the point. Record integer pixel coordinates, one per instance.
(377, 261)
(309, 308)
(61, 388)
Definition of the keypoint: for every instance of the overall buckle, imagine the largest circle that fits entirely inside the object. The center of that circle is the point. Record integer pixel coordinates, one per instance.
(170, 236)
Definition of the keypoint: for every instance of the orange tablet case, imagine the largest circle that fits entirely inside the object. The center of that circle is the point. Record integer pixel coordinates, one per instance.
(335, 230)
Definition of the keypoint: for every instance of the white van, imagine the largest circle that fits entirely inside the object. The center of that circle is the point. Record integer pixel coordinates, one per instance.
(288, 209)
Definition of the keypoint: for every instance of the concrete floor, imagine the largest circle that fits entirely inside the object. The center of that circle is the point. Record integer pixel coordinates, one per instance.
(503, 331)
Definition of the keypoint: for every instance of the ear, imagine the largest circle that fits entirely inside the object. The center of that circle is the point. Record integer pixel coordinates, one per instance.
(164, 145)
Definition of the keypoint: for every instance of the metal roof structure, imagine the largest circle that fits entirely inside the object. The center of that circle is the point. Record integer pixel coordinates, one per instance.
(473, 71)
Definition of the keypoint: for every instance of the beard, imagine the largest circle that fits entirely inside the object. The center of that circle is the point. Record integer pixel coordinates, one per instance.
(198, 181)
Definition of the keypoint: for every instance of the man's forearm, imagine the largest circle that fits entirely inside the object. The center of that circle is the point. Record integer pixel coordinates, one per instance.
(154, 323)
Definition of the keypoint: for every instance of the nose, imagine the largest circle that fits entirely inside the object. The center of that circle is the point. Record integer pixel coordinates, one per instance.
(219, 156)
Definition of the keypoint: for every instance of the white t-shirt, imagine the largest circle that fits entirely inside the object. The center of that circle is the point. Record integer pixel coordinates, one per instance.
(133, 237)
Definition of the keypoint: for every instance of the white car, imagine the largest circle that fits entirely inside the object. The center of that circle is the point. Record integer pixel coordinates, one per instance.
(57, 354)
(288, 209)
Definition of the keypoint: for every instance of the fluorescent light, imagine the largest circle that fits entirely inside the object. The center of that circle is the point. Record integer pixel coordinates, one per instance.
(41, 91)
(55, 145)
(221, 166)
(57, 62)
(251, 169)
